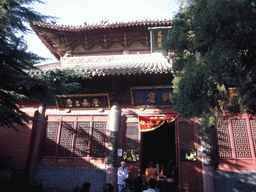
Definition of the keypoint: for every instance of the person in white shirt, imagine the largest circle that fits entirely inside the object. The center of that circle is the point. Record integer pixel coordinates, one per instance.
(122, 174)
(152, 183)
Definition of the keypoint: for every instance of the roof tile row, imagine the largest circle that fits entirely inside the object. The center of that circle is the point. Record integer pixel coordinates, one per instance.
(113, 65)
(146, 23)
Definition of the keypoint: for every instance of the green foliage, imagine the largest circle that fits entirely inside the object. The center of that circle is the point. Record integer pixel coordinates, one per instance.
(214, 42)
(16, 84)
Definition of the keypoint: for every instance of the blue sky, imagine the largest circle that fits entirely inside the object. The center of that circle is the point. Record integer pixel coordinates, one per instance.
(76, 12)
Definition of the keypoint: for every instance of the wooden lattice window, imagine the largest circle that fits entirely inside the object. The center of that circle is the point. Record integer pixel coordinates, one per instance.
(224, 144)
(241, 139)
(50, 143)
(98, 139)
(66, 138)
(82, 139)
(253, 130)
(75, 137)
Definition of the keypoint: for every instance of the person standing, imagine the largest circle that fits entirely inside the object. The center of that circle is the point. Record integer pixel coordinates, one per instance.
(151, 171)
(122, 175)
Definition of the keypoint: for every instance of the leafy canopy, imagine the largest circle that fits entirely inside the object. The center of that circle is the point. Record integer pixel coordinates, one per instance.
(15, 61)
(214, 43)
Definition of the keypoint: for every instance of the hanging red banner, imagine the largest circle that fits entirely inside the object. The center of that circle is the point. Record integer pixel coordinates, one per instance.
(150, 123)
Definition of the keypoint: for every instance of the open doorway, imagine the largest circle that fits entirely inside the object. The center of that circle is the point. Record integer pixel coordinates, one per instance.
(159, 145)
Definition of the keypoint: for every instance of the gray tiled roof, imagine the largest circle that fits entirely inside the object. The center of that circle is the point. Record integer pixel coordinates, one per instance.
(62, 38)
(104, 26)
(114, 65)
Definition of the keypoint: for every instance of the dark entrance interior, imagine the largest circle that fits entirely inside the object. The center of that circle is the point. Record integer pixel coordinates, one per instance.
(159, 145)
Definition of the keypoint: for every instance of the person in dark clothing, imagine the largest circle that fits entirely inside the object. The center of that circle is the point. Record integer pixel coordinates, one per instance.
(152, 184)
(128, 186)
(171, 174)
(137, 183)
(86, 187)
(168, 171)
(108, 188)
(144, 185)
(164, 186)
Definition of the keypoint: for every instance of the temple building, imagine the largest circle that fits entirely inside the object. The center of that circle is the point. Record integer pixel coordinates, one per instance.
(123, 112)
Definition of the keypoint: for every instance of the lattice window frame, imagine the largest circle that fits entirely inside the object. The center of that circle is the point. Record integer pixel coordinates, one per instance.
(223, 139)
(253, 132)
(240, 138)
(98, 139)
(81, 147)
(51, 137)
(67, 138)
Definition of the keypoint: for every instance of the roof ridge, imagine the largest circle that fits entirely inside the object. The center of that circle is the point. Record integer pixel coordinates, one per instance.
(155, 57)
(92, 25)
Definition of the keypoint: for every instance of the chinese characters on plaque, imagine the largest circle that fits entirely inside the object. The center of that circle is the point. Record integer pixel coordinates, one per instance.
(157, 37)
(151, 96)
(86, 101)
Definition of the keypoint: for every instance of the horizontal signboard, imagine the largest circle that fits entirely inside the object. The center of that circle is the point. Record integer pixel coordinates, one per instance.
(159, 96)
(85, 101)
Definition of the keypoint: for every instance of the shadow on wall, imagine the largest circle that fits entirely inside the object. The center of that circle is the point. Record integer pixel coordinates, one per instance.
(14, 155)
(242, 181)
(78, 156)
(60, 172)
(68, 178)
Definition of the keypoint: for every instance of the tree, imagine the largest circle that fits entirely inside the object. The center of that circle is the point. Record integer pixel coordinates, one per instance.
(214, 43)
(16, 84)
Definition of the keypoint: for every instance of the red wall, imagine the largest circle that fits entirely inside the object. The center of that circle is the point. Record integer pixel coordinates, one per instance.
(14, 144)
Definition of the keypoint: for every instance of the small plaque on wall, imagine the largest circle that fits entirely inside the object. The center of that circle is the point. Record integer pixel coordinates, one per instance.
(188, 154)
(131, 155)
(120, 152)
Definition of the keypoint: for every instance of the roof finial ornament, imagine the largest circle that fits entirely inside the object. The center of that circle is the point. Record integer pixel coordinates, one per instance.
(68, 54)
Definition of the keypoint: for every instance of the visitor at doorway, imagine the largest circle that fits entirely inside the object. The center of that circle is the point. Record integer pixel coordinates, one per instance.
(169, 169)
(122, 175)
(151, 171)
(171, 175)
(152, 183)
